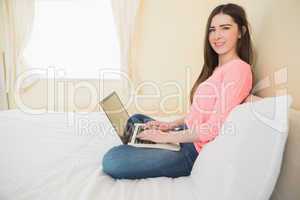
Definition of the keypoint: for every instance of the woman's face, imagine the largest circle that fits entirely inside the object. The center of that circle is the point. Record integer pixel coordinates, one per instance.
(223, 34)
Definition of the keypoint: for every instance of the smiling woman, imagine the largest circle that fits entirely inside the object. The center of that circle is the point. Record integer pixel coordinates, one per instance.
(213, 96)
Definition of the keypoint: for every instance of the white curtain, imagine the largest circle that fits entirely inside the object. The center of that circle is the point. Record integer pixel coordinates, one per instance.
(16, 24)
(125, 12)
(3, 94)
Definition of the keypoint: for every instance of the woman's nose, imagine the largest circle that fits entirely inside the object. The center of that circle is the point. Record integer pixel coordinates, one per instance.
(218, 34)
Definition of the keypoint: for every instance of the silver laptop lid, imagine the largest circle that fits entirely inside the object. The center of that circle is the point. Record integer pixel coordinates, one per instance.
(116, 112)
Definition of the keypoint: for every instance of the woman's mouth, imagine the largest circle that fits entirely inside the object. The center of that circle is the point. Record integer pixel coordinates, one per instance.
(219, 44)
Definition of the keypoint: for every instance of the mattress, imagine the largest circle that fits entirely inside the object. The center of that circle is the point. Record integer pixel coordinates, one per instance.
(58, 156)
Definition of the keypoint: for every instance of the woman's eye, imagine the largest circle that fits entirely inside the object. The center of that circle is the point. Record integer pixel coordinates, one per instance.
(226, 28)
(211, 30)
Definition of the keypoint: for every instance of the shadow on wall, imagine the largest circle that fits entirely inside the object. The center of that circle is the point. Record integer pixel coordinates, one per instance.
(277, 44)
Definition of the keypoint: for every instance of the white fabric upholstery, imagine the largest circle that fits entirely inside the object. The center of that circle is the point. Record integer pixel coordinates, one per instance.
(244, 161)
(58, 156)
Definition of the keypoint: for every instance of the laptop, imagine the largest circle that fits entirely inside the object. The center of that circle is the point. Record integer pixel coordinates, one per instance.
(118, 116)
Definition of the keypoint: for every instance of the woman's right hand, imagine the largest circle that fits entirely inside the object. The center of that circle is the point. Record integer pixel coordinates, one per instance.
(163, 126)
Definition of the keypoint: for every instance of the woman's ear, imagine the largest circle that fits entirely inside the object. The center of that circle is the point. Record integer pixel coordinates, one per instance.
(243, 31)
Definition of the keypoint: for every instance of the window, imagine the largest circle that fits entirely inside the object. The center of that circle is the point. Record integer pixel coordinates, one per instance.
(78, 36)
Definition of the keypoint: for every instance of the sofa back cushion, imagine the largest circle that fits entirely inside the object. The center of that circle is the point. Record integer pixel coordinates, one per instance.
(243, 161)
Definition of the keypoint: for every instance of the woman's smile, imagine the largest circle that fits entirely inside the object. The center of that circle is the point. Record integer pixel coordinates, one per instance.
(219, 44)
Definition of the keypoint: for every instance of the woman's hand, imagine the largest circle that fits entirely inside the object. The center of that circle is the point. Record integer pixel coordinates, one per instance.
(153, 135)
(163, 126)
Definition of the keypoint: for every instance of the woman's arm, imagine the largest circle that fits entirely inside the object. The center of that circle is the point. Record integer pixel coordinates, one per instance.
(159, 136)
(178, 122)
(183, 136)
(165, 126)
(240, 80)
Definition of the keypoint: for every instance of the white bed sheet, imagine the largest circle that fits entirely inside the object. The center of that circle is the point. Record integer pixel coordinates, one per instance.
(58, 156)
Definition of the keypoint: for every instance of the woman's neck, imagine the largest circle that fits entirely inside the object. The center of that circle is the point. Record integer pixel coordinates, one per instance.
(223, 59)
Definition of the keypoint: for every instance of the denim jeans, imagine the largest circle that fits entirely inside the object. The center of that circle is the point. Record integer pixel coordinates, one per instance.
(129, 162)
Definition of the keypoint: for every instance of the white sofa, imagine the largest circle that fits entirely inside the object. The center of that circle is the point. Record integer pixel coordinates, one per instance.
(58, 156)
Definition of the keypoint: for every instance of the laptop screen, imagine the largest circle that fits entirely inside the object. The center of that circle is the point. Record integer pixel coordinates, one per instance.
(116, 112)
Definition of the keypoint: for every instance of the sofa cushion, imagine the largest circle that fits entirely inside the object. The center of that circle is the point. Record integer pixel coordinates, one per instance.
(244, 161)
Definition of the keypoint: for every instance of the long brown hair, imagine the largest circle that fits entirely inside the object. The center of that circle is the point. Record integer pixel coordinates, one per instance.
(244, 46)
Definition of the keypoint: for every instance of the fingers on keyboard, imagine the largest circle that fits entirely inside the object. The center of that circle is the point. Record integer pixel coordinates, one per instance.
(144, 141)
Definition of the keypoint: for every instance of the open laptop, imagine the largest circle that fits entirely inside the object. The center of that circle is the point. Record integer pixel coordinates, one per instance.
(118, 116)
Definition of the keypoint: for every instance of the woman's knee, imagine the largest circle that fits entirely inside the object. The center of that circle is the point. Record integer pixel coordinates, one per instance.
(113, 163)
(109, 160)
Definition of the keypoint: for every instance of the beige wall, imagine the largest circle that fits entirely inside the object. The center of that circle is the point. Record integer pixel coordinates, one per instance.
(278, 47)
(168, 53)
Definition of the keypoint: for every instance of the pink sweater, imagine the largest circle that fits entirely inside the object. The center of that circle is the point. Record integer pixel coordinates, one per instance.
(214, 98)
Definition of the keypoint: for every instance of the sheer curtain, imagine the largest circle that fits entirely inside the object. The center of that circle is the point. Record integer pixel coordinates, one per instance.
(125, 12)
(16, 25)
(3, 94)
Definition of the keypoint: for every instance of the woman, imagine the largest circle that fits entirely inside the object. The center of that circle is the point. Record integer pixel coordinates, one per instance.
(224, 82)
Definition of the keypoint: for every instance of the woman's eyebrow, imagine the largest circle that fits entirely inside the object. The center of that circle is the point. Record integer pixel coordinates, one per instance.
(222, 25)
(225, 25)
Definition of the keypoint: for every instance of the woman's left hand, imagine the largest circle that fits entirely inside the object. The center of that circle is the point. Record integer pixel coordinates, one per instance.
(153, 135)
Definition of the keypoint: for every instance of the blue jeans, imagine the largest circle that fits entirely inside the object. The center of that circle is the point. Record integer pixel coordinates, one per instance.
(129, 162)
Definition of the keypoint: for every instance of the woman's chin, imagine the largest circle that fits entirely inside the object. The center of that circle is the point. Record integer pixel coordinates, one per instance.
(220, 51)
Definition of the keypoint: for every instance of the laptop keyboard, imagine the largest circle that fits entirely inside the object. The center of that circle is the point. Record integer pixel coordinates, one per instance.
(139, 141)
